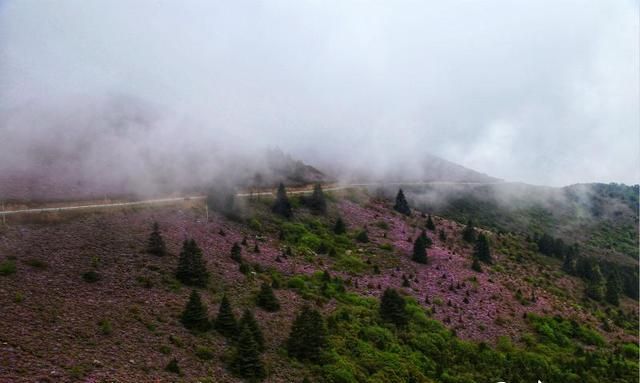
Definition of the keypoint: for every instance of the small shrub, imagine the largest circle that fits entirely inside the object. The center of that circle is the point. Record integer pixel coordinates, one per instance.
(362, 237)
(173, 366)
(204, 353)
(18, 297)
(91, 276)
(105, 327)
(7, 267)
(36, 263)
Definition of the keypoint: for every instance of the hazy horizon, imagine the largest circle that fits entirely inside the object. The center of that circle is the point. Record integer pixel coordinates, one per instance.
(545, 93)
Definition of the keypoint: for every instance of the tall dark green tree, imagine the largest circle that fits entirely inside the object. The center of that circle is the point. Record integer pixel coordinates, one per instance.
(308, 337)
(340, 227)
(402, 206)
(222, 198)
(192, 269)
(317, 203)
(430, 225)
(420, 249)
(392, 308)
(569, 262)
(236, 252)
(482, 250)
(475, 265)
(596, 284)
(362, 236)
(282, 206)
(249, 321)
(195, 316)
(246, 361)
(267, 299)
(155, 244)
(225, 322)
(469, 232)
(612, 294)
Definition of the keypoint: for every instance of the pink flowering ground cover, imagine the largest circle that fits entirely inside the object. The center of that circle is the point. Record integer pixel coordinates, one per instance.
(55, 327)
(479, 306)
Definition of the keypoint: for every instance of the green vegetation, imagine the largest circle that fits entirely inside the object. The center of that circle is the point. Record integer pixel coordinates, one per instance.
(249, 321)
(155, 243)
(192, 269)
(225, 322)
(469, 232)
(430, 225)
(236, 252)
(307, 339)
(482, 251)
(392, 308)
(246, 361)
(266, 299)
(420, 249)
(195, 316)
(401, 205)
(173, 367)
(362, 348)
(340, 227)
(91, 276)
(316, 202)
(362, 236)
(7, 267)
(282, 206)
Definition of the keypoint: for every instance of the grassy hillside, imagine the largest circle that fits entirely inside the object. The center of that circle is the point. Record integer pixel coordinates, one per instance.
(83, 300)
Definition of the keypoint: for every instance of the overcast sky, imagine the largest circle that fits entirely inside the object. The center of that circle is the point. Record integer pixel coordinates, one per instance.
(545, 92)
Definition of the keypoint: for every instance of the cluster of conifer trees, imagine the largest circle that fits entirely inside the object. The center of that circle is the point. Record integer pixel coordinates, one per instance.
(600, 286)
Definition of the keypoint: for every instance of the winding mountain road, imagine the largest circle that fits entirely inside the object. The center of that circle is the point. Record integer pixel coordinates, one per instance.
(198, 197)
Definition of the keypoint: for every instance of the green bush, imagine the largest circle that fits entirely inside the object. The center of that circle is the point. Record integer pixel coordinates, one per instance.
(296, 283)
(105, 327)
(204, 353)
(91, 276)
(7, 267)
(350, 263)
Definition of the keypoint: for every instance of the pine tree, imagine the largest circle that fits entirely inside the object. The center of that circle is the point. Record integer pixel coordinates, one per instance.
(249, 321)
(430, 225)
(596, 284)
(475, 266)
(246, 361)
(173, 367)
(363, 236)
(402, 206)
(155, 244)
(469, 233)
(195, 317)
(236, 252)
(192, 269)
(442, 235)
(317, 202)
(340, 227)
(392, 308)
(613, 290)
(267, 299)
(282, 206)
(225, 322)
(308, 335)
(420, 250)
(482, 251)
(569, 263)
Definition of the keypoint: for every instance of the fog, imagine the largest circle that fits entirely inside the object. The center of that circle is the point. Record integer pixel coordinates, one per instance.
(542, 92)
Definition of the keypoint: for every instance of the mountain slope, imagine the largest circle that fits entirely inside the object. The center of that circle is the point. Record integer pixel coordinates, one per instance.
(57, 325)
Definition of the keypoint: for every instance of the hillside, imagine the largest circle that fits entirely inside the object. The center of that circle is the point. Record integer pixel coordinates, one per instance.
(428, 168)
(83, 300)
